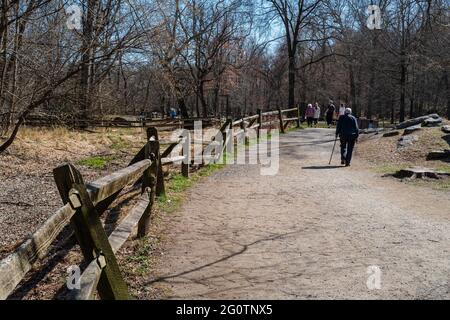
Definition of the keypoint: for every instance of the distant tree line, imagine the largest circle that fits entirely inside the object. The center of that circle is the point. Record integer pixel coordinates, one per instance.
(92, 58)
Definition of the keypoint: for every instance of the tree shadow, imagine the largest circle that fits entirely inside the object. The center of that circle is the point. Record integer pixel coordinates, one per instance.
(244, 248)
(63, 244)
(323, 167)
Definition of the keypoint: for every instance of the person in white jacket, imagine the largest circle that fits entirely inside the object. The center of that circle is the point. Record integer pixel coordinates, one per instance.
(317, 113)
(342, 109)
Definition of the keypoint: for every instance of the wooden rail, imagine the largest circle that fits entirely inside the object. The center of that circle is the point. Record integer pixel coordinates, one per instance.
(169, 124)
(267, 120)
(84, 204)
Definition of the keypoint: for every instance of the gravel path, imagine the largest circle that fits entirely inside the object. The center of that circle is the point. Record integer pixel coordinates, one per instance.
(311, 232)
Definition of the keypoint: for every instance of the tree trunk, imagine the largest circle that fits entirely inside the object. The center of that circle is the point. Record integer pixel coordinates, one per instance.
(411, 108)
(392, 112)
(4, 61)
(216, 99)
(86, 59)
(146, 106)
(291, 99)
(402, 90)
(447, 86)
(353, 89)
(13, 135)
(201, 96)
(183, 108)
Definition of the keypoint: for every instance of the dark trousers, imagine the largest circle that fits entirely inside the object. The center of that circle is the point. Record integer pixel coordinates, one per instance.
(330, 119)
(310, 121)
(347, 146)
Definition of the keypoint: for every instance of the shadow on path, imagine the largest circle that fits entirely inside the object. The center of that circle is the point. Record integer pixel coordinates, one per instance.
(323, 167)
(242, 251)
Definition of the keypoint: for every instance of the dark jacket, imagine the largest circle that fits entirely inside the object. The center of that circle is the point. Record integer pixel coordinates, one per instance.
(347, 127)
(331, 110)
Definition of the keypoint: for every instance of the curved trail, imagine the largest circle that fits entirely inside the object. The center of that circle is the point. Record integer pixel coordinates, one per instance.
(310, 232)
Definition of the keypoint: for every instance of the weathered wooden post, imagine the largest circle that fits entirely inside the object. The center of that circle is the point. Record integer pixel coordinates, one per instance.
(149, 182)
(244, 127)
(152, 132)
(186, 152)
(89, 232)
(260, 118)
(280, 117)
(299, 116)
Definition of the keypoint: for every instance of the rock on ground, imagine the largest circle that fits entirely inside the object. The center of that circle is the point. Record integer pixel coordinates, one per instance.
(407, 141)
(416, 121)
(431, 122)
(439, 155)
(391, 134)
(413, 129)
(420, 173)
(446, 129)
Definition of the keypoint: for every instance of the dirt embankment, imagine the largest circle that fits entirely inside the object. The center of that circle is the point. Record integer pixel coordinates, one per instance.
(383, 151)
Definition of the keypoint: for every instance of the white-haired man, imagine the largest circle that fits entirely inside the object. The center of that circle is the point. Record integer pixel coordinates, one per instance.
(348, 130)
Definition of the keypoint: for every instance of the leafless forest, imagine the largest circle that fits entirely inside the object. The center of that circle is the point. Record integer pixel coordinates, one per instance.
(88, 59)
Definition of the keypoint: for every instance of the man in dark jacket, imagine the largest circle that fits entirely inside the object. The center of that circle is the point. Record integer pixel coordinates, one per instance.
(348, 130)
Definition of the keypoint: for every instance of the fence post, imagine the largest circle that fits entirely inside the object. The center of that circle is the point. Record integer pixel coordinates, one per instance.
(160, 188)
(244, 127)
(299, 116)
(89, 232)
(280, 116)
(260, 124)
(149, 182)
(187, 153)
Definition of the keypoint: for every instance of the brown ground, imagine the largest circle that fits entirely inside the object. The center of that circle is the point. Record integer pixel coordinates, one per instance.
(309, 232)
(377, 150)
(250, 243)
(28, 196)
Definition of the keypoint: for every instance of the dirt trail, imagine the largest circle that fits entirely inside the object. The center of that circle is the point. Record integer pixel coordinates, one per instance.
(310, 232)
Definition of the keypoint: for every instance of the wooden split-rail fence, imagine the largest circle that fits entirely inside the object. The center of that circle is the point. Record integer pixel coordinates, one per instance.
(166, 124)
(85, 203)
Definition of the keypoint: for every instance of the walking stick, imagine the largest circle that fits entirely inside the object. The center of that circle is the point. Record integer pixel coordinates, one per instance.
(332, 153)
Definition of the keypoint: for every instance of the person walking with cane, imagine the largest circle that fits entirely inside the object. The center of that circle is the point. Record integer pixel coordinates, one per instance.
(348, 131)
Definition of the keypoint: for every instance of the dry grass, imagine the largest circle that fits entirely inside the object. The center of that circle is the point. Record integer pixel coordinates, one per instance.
(73, 141)
(27, 184)
(28, 194)
(36, 150)
(385, 158)
(381, 151)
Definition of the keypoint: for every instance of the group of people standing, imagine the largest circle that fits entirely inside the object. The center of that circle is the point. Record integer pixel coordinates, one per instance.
(313, 114)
